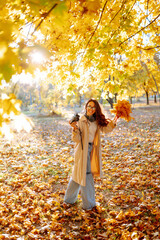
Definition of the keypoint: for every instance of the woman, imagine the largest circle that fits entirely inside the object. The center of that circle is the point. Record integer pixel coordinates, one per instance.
(88, 163)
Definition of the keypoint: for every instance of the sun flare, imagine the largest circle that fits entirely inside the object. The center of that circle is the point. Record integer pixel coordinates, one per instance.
(37, 57)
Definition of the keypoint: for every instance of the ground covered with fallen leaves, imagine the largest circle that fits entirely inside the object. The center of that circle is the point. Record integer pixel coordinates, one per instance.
(35, 169)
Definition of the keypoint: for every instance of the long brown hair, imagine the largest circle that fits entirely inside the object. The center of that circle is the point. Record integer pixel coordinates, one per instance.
(100, 118)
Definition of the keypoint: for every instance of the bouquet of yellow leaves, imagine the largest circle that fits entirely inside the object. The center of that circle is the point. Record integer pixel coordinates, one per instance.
(122, 109)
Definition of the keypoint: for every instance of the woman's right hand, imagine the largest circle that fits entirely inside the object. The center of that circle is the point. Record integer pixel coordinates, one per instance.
(74, 125)
(116, 117)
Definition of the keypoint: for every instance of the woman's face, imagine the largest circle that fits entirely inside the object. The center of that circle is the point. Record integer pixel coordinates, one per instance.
(91, 108)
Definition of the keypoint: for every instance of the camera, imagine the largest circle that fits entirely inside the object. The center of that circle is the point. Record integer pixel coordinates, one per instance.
(75, 118)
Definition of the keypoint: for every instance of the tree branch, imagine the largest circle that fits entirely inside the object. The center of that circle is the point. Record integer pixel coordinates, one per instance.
(149, 73)
(122, 25)
(123, 3)
(149, 48)
(147, 5)
(139, 30)
(45, 16)
(29, 29)
(93, 32)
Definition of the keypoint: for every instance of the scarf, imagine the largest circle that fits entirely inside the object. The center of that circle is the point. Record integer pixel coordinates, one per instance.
(91, 118)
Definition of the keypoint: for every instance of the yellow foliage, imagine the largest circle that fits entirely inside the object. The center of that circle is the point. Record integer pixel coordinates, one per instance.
(6, 30)
(94, 31)
(93, 6)
(2, 3)
(9, 107)
(3, 49)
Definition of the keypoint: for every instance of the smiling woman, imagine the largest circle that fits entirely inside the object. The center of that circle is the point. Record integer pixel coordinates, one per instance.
(87, 156)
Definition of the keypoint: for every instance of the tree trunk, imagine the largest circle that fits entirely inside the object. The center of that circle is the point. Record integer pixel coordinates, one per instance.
(30, 96)
(147, 97)
(80, 101)
(144, 65)
(130, 99)
(40, 99)
(156, 87)
(115, 97)
(155, 98)
(101, 100)
(110, 100)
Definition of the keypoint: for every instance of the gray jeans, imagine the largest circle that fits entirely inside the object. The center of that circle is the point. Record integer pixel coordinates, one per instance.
(87, 192)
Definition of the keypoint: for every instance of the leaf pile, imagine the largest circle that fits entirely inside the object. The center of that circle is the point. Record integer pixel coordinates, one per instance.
(123, 109)
(35, 170)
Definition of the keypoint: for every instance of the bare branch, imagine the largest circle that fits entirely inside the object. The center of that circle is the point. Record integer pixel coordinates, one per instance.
(45, 16)
(140, 30)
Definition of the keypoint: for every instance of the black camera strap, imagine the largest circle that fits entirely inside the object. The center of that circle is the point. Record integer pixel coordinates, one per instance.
(81, 137)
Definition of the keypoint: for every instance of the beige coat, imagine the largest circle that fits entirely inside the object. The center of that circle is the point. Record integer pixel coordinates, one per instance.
(80, 156)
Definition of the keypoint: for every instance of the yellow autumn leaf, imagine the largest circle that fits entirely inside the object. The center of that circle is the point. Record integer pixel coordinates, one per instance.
(93, 6)
(2, 3)
(3, 49)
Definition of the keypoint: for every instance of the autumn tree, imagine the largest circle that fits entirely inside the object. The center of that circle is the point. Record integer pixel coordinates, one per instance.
(70, 38)
(84, 32)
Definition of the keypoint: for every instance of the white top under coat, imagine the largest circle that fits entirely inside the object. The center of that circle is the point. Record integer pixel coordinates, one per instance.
(92, 130)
